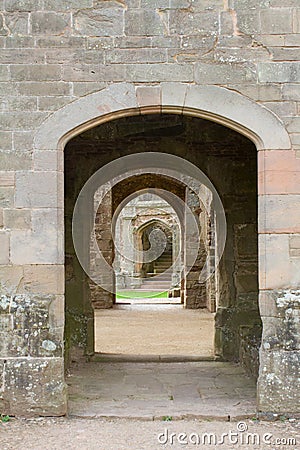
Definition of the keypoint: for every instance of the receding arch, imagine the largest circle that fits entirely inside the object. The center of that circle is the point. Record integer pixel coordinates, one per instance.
(214, 103)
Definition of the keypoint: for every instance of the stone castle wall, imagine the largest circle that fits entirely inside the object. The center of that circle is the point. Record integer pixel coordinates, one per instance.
(53, 53)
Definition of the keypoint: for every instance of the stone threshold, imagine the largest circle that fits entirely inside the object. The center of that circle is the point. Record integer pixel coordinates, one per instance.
(115, 357)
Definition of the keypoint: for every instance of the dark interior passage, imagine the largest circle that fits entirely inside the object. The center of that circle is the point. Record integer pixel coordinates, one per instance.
(229, 160)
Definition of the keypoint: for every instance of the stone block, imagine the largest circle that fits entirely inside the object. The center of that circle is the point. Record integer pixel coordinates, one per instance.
(48, 88)
(95, 73)
(240, 55)
(154, 4)
(4, 74)
(52, 103)
(45, 240)
(285, 54)
(57, 312)
(292, 40)
(3, 29)
(281, 109)
(21, 104)
(17, 23)
(206, 73)
(279, 72)
(279, 213)
(226, 23)
(173, 94)
(40, 250)
(272, 40)
(6, 197)
(188, 23)
(277, 269)
(278, 383)
(4, 245)
(278, 172)
(279, 160)
(23, 140)
(60, 42)
(1, 218)
(129, 56)
(105, 20)
(274, 21)
(17, 219)
(248, 4)
(84, 88)
(202, 5)
(7, 178)
(36, 72)
(22, 56)
(295, 246)
(291, 92)
(15, 161)
(36, 189)
(144, 23)
(50, 23)
(48, 161)
(266, 92)
(19, 42)
(77, 56)
(295, 138)
(8, 88)
(281, 332)
(66, 5)
(10, 279)
(101, 43)
(43, 279)
(23, 5)
(278, 3)
(248, 22)
(5, 140)
(35, 387)
(296, 20)
(159, 72)
(148, 96)
(279, 182)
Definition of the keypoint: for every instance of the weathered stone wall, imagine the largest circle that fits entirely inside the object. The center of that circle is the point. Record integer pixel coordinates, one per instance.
(54, 52)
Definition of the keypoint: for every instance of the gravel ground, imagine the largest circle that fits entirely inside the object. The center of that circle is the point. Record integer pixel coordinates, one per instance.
(84, 434)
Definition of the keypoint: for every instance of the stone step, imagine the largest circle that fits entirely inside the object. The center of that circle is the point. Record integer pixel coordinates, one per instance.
(157, 286)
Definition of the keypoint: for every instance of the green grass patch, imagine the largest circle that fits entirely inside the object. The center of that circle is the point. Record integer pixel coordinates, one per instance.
(139, 294)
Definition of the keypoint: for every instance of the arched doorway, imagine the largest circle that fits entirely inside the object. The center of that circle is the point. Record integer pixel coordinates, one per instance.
(191, 100)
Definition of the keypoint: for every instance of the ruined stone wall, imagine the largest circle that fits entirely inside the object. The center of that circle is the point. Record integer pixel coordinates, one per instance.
(54, 52)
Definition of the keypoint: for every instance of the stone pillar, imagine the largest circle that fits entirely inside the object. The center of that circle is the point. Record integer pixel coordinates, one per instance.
(100, 297)
(195, 292)
(32, 296)
(279, 301)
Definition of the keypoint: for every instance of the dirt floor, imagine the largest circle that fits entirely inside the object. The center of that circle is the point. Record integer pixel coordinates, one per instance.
(96, 434)
(154, 330)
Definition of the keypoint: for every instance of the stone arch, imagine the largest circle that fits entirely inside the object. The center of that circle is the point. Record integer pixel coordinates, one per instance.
(214, 103)
(173, 224)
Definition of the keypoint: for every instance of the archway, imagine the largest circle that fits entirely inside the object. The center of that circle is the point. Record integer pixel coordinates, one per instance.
(217, 104)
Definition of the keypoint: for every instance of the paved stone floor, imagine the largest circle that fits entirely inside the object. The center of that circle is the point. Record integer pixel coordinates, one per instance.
(154, 329)
(152, 390)
(182, 387)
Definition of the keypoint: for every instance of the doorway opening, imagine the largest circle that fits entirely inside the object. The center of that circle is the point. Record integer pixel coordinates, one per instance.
(147, 265)
(229, 297)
